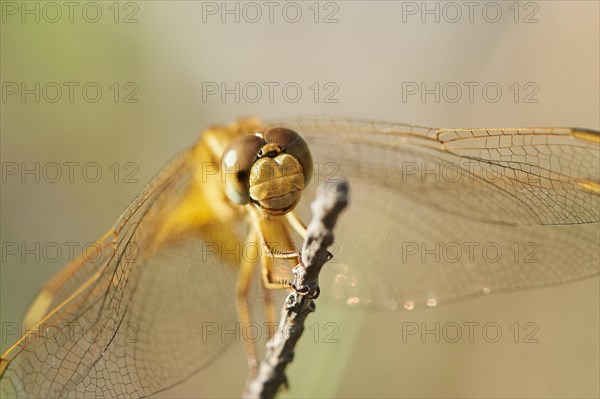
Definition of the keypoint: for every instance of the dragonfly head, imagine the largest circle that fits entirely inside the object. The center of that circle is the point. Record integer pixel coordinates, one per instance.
(269, 169)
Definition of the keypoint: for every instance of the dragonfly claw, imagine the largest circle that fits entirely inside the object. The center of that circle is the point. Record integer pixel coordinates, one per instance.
(329, 256)
(311, 292)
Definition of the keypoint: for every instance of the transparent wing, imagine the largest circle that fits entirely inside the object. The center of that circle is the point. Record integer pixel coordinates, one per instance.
(130, 321)
(440, 215)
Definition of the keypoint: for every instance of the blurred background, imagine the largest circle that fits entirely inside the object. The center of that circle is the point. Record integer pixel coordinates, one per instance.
(119, 87)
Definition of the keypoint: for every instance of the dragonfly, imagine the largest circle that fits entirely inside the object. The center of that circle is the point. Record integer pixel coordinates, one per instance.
(436, 216)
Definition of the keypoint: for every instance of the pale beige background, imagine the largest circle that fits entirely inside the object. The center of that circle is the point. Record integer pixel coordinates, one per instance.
(368, 53)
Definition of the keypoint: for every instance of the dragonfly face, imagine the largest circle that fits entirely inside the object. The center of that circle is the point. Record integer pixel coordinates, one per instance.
(269, 169)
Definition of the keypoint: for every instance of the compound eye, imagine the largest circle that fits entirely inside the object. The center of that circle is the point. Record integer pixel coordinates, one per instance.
(292, 143)
(236, 162)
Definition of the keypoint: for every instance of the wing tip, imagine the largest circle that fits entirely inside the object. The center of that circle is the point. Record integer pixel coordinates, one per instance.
(591, 186)
(590, 135)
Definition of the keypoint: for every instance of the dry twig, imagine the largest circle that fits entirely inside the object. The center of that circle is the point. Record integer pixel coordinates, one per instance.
(330, 201)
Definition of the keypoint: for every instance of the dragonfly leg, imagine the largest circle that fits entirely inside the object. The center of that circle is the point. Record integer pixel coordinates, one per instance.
(243, 309)
(267, 278)
(259, 226)
(289, 255)
(299, 226)
(268, 285)
(269, 311)
(296, 223)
